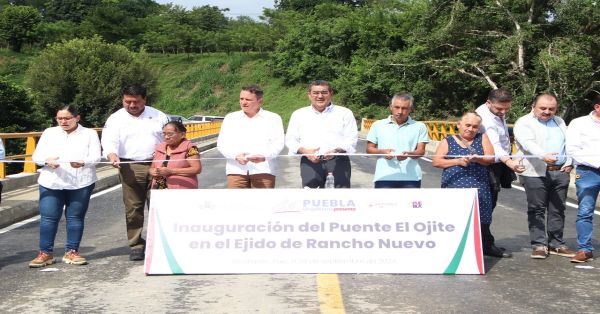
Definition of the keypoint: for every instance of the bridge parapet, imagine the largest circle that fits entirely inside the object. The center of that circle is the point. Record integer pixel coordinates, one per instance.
(196, 131)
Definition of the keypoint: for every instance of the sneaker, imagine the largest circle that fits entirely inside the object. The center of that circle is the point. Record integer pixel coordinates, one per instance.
(539, 252)
(41, 260)
(136, 255)
(582, 257)
(561, 251)
(73, 257)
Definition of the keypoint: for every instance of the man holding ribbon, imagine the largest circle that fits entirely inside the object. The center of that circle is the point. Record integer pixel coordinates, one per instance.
(541, 138)
(493, 121)
(128, 140)
(402, 140)
(583, 144)
(322, 133)
(251, 139)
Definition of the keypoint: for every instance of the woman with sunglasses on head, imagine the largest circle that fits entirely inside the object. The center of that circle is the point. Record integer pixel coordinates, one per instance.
(69, 153)
(176, 163)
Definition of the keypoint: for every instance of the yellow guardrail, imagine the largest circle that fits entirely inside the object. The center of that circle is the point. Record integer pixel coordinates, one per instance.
(194, 130)
(437, 130)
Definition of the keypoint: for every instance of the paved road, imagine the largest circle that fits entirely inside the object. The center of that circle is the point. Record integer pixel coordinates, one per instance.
(113, 284)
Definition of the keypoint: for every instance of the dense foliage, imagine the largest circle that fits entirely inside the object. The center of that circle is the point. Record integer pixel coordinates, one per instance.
(137, 24)
(17, 25)
(448, 53)
(19, 112)
(88, 73)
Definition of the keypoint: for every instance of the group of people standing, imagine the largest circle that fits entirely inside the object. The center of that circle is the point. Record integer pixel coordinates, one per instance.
(151, 152)
(479, 156)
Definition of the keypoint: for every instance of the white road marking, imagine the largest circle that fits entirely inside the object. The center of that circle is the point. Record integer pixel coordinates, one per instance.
(36, 218)
(520, 188)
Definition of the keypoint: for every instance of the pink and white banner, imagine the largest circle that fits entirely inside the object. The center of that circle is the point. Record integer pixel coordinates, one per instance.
(425, 231)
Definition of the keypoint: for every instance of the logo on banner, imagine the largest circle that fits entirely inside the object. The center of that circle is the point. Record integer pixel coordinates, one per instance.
(328, 205)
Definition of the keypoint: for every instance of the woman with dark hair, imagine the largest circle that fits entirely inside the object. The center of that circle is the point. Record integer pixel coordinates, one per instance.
(69, 153)
(176, 163)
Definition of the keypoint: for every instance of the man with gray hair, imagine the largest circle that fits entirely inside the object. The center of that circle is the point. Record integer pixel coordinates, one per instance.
(401, 140)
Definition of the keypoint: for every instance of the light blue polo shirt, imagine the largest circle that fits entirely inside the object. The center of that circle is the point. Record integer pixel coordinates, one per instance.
(555, 140)
(387, 134)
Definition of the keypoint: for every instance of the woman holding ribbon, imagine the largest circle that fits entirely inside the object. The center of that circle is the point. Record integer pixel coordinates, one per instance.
(176, 163)
(69, 153)
(464, 158)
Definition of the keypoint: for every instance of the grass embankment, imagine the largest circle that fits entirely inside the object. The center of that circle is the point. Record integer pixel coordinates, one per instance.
(207, 84)
(210, 84)
(13, 65)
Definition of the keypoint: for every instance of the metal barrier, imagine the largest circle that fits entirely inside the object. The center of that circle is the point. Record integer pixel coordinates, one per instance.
(194, 130)
(437, 130)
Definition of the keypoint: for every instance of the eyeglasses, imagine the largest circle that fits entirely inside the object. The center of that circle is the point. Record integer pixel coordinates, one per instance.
(170, 134)
(64, 118)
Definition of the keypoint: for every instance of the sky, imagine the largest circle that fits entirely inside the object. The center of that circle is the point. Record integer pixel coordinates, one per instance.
(251, 8)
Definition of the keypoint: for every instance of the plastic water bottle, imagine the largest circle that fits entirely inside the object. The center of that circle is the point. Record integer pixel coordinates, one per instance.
(330, 181)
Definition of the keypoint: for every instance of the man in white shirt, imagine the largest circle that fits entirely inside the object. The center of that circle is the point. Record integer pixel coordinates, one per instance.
(320, 132)
(493, 122)
(251, 139)
(546, 177)
(130, 135)
(583, 145)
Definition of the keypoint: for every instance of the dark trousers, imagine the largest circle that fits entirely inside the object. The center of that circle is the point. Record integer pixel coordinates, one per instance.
(135, 183)
(546, 194)
(314, 174)
(386, 184)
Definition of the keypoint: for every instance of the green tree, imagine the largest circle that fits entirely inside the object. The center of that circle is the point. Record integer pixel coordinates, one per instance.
(17, 25)
(68, 10)
(464, 49)
(52, 32)
(89, 74)
(38, 4)
(19, 110)
(20, 114)
(207, 18)
(307, 5)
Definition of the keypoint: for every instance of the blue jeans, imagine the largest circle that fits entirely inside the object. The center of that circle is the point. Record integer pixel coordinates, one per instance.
(52, 202)
(384, 184)
(588, 185)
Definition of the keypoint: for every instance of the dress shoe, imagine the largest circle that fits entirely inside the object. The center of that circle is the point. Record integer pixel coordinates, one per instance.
(539, 252)
(582, 257)
(494, 251)
(137, 255)
(561, 251)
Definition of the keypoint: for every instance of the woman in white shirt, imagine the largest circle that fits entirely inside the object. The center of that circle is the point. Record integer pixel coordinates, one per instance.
(69, 153)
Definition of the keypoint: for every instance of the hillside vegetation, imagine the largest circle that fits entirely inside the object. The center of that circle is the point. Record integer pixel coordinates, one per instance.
(206, 84)
(209, 84)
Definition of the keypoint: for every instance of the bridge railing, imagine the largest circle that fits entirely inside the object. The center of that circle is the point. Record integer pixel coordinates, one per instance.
(437, 130)
(199, 131)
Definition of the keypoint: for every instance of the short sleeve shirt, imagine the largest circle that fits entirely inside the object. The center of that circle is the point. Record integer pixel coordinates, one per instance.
(386, 134)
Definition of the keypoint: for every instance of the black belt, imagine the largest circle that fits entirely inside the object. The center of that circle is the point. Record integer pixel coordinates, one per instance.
(140, 161)
(553, 167)
(587, 167)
